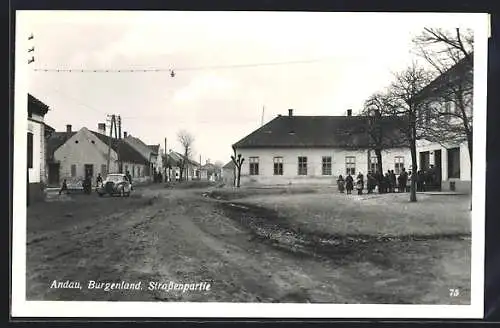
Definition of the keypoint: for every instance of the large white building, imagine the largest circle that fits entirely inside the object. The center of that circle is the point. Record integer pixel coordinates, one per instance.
(447, 149)
(316, 149)
(37, 132)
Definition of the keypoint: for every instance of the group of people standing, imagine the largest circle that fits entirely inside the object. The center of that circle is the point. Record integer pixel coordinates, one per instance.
(387, 182)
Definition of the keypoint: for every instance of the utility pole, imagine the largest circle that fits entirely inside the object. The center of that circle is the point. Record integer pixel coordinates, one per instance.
(111, 126)
(119, 137)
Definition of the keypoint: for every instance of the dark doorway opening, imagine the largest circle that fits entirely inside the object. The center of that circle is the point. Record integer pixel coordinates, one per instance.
(89, 171)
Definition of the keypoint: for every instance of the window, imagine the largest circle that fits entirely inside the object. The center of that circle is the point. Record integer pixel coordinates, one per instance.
(373, 164)
(30, 150)
(302, 165)
(454, 163)
(73, 170)
(278, 165)
(326, 167)
(103, 169)
(350, 165)
(399, 164)
(138, 171)
(254, 165)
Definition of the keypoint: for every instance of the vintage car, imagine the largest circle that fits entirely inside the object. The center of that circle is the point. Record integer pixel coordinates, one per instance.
(115, 184)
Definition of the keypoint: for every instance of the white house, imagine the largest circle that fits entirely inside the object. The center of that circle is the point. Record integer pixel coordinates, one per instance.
(172, 163)
(314, 149)
(447, 149)
(74, 155)
(36, 134)
(149, 152)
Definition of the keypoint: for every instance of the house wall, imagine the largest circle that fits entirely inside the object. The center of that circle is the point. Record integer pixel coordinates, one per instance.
(228, 176)
(314, 164)
(137, 171)
(36, 174)
(81, 153)
(462, 184)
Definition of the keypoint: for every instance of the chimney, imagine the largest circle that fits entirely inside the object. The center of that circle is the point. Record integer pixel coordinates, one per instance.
(101, 128)
(290, 112)
(124, 134)
(349, 112)
(68, 128)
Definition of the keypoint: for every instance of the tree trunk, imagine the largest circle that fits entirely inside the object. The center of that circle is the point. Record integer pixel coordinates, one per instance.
(239, 176)
(414, 170)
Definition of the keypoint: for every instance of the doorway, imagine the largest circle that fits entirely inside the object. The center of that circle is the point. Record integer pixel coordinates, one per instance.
(53, 174)
(89, 171)
(424, 161)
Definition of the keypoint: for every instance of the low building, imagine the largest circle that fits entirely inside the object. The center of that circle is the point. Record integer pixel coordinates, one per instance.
(172, 163)
(229, 173)
(36, 136)
(150, 154)
(314, 149)
(210, 172)
(74, 155)
(156, 158)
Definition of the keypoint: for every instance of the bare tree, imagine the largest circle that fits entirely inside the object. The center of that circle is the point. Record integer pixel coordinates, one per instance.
(186, 140)
(238, 162)
(449, 108)
(404, 101)
(375, 107)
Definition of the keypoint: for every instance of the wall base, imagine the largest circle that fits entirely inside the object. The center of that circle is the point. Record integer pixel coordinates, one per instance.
(460, 186)
(36, 192)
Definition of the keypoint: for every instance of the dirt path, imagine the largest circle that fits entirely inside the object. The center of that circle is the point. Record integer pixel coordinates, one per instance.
(180, 236)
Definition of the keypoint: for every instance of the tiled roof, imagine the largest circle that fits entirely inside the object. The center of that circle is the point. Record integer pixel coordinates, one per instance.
(320, 132)
(126, 152)
(155, 148)
(448, 78)
(36, 106)
(174, 157)
(229, 165)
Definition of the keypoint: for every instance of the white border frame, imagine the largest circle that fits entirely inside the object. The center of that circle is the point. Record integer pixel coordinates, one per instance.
(23, 308)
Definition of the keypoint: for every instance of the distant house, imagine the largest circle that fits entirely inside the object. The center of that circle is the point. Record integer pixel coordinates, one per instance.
(449, 157)
(36, 135)
(229, 173)
(149, 154)
(172, 166)
(156, 158)
(315, 149)
(210, 172)
(74, 155)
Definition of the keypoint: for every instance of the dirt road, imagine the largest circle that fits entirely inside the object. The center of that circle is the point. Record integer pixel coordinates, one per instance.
(245, 252)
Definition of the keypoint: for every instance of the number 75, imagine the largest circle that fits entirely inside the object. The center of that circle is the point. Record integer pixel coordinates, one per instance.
(454, 292)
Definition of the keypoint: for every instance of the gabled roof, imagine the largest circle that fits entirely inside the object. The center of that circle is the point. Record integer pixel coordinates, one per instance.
(174, 157)
(126, 152)
(465, 65)
(317, 132)
(35, 106)
(229, 165)
(155, 149)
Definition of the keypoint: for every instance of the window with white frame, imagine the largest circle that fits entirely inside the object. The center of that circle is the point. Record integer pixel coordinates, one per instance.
(326, 167)
(399, 164)
(254, 165)
(278, 165)
(302, 165)
(350, 165)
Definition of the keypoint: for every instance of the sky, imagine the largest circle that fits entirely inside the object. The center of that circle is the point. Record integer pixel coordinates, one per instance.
(322, 64)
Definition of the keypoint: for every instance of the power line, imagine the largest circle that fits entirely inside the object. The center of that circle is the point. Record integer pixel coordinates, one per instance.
(172, 71)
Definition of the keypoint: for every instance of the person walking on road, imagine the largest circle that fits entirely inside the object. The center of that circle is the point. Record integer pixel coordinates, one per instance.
(360, 183)
(64, 187)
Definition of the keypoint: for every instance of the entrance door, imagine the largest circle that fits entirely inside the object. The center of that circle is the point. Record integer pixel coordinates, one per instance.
(424, 161)
(54, 174)
(454, 163)
(89, 171)
(438, 169)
